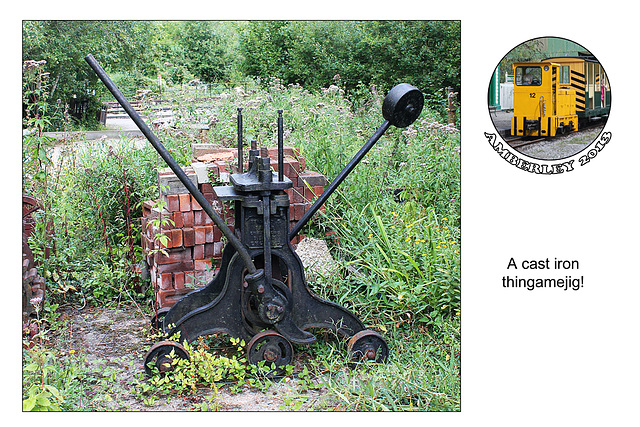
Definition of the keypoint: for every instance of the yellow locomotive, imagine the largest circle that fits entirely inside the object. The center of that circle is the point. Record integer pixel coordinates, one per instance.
(558, 95)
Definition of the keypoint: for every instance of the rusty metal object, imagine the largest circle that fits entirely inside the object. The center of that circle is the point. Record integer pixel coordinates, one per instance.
(33, 285)
(367, 345)
(260, 293)
(162, 355)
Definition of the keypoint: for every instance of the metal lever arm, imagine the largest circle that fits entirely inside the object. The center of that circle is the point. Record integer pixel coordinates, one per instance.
(254, 274)
(338, 180)
(401, 107)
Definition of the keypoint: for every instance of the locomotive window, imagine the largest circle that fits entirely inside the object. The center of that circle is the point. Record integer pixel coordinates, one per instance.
(528, 76)
(564, 75)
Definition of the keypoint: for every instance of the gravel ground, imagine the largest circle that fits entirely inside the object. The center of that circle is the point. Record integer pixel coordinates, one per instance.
(561, 147)
(114, 342)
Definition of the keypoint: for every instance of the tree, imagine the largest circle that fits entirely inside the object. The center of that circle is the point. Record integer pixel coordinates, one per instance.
(118, 45)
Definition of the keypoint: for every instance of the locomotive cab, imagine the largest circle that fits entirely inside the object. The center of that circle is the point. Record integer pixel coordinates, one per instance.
(543, 106)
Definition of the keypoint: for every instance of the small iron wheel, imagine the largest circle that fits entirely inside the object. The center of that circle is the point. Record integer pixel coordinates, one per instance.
(368, 345)
(158, 318)
(271, 347)
(159, 355)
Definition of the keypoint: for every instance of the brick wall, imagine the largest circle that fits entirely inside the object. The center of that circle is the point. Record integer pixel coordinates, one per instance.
(193, 250)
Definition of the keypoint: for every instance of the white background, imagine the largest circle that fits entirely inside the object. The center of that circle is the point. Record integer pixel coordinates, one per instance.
(546, 357)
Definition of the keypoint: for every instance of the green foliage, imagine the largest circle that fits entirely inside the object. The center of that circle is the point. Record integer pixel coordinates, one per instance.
(118, 45)
(207, 369)
(385, 53)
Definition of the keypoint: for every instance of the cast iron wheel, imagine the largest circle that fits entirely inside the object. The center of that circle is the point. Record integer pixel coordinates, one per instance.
(159, 355)
(402, 105)
(271, 347)
(158, 317)
(368, 345)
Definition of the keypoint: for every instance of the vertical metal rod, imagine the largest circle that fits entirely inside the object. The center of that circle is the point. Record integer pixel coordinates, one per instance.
(182, 176)
(338, 179)
(240, 159)
(280, 147)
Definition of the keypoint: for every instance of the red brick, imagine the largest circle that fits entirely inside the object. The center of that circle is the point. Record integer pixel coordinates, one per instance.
(297, 195)
(217, 249)
(199, 235)
(194, 204)
(202, 264)
(173, 202)
(178, 280)
(303, 163)
(185, 202)
(222, 165)
(318, 190)
(168, 297)
(177, 220)
(188, 237)
(208, 250)
(187, 219)
(201, 218)
(198, 252)
(176, 266)
(208, 233)
(217, 234)
(298, 211)
(176, 238)
(308, 194)
(165, 281)
(173, 255)
(206, 187)
(314, 179)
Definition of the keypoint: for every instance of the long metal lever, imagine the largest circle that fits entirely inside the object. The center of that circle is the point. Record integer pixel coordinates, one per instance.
(254, 273)
(338, 180)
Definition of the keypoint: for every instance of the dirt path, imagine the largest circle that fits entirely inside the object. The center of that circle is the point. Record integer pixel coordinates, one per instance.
(113, 343)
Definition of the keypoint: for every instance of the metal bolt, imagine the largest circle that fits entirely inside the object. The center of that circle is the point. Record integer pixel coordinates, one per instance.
(270, 355)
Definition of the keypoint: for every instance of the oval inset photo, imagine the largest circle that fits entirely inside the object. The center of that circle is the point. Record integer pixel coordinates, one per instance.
(549, 98)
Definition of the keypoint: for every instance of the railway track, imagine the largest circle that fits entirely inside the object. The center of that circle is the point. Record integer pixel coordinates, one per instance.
(521, 141)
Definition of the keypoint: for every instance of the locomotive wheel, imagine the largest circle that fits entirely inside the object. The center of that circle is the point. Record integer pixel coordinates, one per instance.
(160, 355)
(271, 347)
(158, 318)
(367, 345)
(402, 105)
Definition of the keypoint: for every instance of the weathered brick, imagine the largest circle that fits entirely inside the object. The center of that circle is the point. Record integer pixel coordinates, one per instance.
(188, 237)
(308, 194)
(208, 233)
(176, 266)
(185, 202)
(178, 280)
(298, 211)
(188, 219)
(217, 234)
(222, 165)
(176, 238)
(173, 202)
(201, 218)
(165, 281)
(208, 250)
(199, 235)
(217, 249)
(314, 179)
(202, 264)
(297, 195)
(206, 187)
(177, 220)
(173, 255)
(194, 204)
(198, 252)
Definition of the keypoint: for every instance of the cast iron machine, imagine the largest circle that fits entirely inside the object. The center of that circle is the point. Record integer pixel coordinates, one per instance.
(260, 293)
